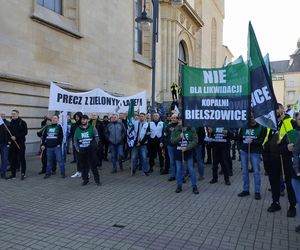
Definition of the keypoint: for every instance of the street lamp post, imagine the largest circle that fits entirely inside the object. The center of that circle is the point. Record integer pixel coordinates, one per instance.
(144, 22)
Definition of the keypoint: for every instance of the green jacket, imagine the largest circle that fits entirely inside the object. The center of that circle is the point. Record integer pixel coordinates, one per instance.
(190, 137)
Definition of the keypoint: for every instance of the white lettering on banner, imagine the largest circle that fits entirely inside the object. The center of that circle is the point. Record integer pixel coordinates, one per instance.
(234, 89)
(215, 102)
(259, 96)
(226, 115)
(95, 100)
(214, 76)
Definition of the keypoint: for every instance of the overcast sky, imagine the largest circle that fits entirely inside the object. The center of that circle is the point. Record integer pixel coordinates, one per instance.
(276, 24)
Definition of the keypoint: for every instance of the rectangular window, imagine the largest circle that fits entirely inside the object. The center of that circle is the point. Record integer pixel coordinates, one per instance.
(138, 36)
(291, 95)
(54, 5)
(291, 83)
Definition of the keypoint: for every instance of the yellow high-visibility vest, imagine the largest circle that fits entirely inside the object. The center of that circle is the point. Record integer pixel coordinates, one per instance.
(267, 136)
(286, 126)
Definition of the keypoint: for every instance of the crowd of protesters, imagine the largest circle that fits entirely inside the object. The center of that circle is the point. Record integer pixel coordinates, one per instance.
(178, 148)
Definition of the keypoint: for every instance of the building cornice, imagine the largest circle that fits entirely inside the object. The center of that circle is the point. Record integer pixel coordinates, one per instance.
(192, 14)
(221, 11)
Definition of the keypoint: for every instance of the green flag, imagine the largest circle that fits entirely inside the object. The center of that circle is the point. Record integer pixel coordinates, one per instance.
(216, 97)
(130, 116)
(263, 100)
(130, 123)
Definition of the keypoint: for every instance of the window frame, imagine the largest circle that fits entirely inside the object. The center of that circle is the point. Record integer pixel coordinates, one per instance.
(56, 9)
(138, 55)
(56, 21)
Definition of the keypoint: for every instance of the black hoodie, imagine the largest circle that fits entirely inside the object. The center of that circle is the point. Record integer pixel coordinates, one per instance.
(18, 128)
(76, 124)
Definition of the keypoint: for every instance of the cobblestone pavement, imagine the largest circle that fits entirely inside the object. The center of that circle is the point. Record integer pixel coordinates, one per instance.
(138, 213)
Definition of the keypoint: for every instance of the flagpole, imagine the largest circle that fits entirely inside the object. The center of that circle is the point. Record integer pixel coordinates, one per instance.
(11, 135)
(248, 154)
(281, 159)
(182, 152)
(282, 169)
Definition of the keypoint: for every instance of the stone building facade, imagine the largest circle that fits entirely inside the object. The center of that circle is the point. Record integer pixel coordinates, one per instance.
(286, 78)
(90, 44)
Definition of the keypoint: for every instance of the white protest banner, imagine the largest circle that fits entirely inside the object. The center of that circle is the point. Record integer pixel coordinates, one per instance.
(95, 100)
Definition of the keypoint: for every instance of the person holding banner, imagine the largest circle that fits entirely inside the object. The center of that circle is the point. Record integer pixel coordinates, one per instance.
(115, 133)
(52, 140)
(4, 146)
(18, 131)
(86, 141)
(185, 139)
(251, 140)
(221, 152)
(280, 161)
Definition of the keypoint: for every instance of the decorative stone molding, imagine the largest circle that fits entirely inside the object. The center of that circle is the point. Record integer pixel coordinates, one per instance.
(194, 29)
(182, 18)
(188, 24)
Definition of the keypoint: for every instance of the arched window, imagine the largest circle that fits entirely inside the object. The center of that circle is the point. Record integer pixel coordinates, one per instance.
(182, 59)
(138, 35)
(213, 43)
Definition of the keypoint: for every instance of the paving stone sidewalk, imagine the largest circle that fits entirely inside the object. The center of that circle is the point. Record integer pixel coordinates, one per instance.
(138, 213)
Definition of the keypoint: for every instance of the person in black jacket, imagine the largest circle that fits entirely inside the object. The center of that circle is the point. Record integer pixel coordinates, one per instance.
(198, 152)
(77, 117)
(18, 129)
(221, 152)
(85, 142)
(52, 139)
(43, 154)
(105, 141)
(96, 123)
(280, 161)
(4, 146)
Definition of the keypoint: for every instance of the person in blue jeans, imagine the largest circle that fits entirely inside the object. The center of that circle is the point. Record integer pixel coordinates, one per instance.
(251, 140)
(171, 147)
(186, 140)
(139, 149)
(115, 133)
(52, 140)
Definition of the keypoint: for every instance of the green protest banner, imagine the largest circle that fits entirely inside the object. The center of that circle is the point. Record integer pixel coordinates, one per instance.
(218, 97)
